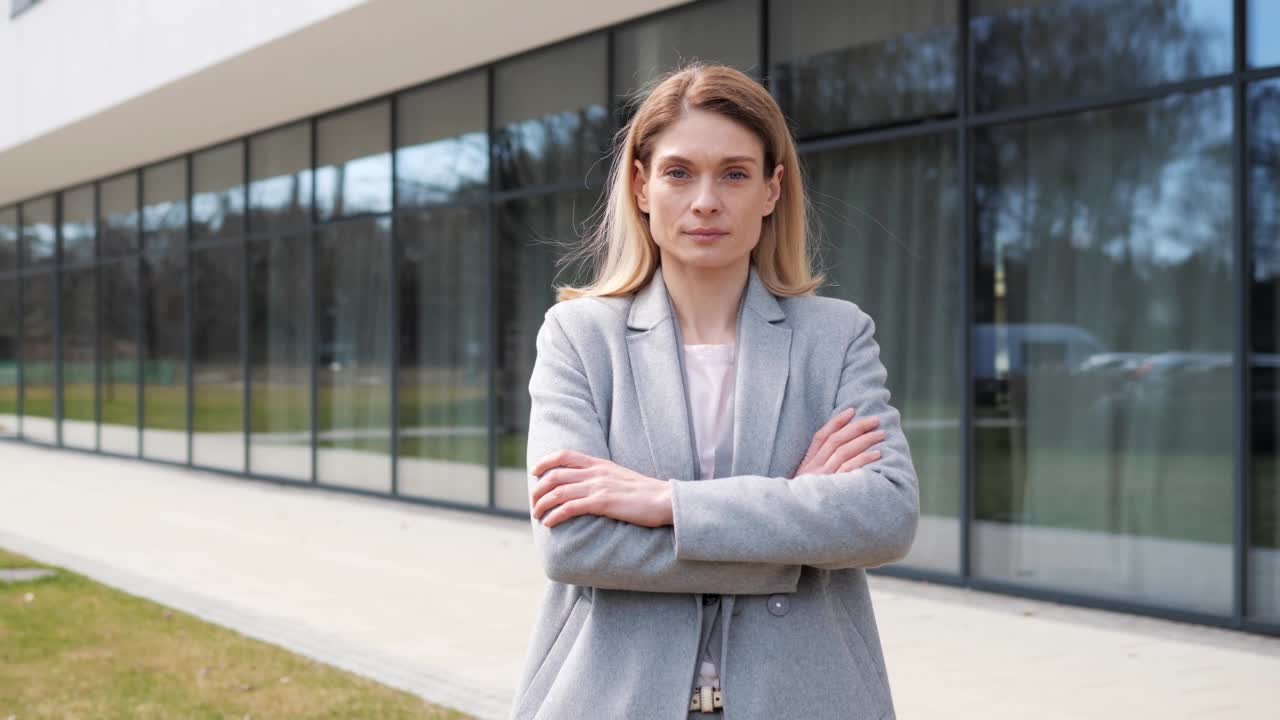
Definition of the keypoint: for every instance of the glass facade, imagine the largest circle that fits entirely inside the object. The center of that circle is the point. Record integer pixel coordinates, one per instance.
(1065, 229)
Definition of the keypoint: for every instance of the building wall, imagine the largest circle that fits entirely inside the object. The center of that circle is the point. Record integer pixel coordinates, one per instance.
(87, 74)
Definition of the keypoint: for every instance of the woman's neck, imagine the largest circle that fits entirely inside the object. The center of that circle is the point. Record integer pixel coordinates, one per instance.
(706, 299)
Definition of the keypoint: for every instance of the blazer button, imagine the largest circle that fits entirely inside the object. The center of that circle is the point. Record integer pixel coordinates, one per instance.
(779, 604)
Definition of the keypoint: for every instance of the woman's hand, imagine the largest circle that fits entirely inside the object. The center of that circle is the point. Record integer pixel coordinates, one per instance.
(572, 483)
(841, 445)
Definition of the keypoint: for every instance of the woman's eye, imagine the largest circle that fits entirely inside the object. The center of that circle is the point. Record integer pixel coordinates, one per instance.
(737, 175)
(677, 173)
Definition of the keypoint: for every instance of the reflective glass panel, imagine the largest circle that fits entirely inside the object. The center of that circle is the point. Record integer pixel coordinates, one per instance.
(118, 214)
(10, 342)
(1027, 52)
(118, 391)
(551, 116)
(353, 170)
(353, 355)
(280, 179)
(838, 66)
(280, 357)
(217, 193)
(1264, 359)
(8, 239)
(217, 372)
(79, 357)
(164, 206)
(1103, 366)
(39, 233)
(78, 226)
(164, 367)
(719, 31)
(37, 358)
(891, 237)
(533, 234)
(443, 382)
(1264, 32)
(442, 149)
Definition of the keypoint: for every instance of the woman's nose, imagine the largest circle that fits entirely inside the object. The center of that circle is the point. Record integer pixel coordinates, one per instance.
(707, 201)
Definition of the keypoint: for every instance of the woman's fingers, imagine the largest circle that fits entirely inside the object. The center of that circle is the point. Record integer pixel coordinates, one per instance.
(861, 460)
(826, 431)
(571, 509)
(558, 495)
(838, 439)
(562, 458)
(851, 449)
(554, 478)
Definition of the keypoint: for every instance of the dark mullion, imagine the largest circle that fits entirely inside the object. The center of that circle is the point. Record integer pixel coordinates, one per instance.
(762, 54)
(246, 415)
(139, 335)
(1242, 270)
(393, 297)
(491, 357)
(968, 259)
(188, 311)
(873, 136)
(313, 318)
(57, 320)
(1105, 101)
(97, 316)
(22, 323)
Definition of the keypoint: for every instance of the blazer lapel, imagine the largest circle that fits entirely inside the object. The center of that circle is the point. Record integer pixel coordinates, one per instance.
(657, 370)
(764, 363)
(760, 380)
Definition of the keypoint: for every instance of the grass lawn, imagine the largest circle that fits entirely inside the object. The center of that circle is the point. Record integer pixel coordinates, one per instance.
(78, 649)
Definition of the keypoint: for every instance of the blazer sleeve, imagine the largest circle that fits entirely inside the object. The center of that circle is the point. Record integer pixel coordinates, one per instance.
(864, 518)
(602, 552)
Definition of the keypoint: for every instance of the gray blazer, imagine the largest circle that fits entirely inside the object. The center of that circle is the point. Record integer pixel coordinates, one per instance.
(618, 631)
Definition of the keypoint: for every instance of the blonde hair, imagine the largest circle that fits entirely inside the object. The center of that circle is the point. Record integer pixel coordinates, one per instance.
(621, 248)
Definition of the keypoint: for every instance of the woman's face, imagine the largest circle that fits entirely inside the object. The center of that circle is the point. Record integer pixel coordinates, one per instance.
(706, 191)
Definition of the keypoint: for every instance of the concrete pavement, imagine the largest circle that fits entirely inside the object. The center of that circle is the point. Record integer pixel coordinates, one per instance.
(440, 602)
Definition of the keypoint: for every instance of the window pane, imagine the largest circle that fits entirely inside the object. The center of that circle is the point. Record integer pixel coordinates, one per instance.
(837, 66)
(1264, 361)
(217, 376)
(1103, 384)
(444, 385)
(78, 225)
(37, 358)
(217, 193)
(164, 206)
(533, 233)
(353, 170)
(354, 355)
(39, 233)
(280, 357)
(721, 31)
(118, 393)
(164, 369)
(79, 357)
(550, 116)
(8, 239)
(1040, 51)
(280, 179)
(890, 220)
(9, 310)
(442, 149)
(118, 214)
(1263, 24)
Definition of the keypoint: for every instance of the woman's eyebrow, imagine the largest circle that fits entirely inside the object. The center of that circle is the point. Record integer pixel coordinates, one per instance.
(732, 160)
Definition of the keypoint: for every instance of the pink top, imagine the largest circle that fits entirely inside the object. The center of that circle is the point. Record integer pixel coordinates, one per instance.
(710, 370)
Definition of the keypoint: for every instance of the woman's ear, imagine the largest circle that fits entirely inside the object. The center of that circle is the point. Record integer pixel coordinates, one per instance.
(640, 185)
(775, 190)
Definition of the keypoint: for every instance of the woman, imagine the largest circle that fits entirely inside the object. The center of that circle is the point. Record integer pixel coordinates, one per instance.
(713, 458)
